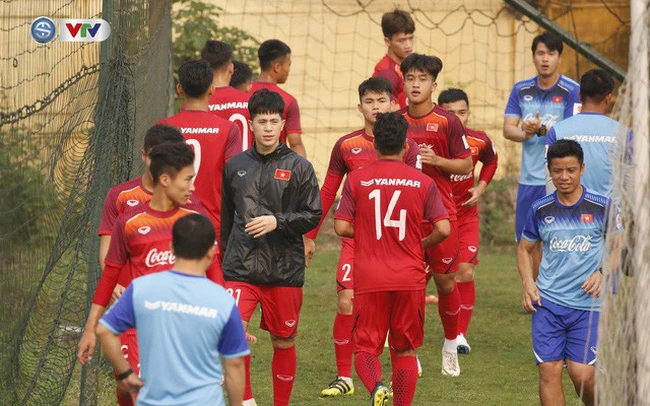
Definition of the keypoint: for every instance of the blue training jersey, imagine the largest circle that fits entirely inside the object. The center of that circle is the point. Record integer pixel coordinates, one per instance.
(599, 137)
(184, 323)
(573, 238)
(554, 105)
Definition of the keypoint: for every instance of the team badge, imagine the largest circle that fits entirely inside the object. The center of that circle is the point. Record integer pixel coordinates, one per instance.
(283, 174)
(144, 230)
(471, 248)
(356, 150)
(474, 150)
(447, 260)
(132, 202)
(549, 219)
(587, 218)
(432, 127)
(241, 173)
(285, 378)
(557, 99)
(290, 323)
(528, 98)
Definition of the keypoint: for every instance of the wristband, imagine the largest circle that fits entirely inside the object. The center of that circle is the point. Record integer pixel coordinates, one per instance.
(124, 375)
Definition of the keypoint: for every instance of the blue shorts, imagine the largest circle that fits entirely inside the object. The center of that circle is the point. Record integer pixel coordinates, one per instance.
(561, 333)
(526, 196)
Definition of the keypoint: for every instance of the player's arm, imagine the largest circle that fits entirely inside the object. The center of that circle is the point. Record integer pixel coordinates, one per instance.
(233, 347)
(490, 161)
(343, 228)
(295, 143)
(227, 209)
(233, 142)
(459, 166)
(550, 139)
(104, 243)
(436, 213)
(294, 130)
(345, 213)
(441, 230)
(530, 293)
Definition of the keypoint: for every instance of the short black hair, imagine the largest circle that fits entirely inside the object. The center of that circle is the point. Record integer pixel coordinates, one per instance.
(265, 101)
(452, 95)
(390, 133)
(595, 85)
(170, 158)
(552, 42)
(564, 148)
(217, 53)
(195, 77)
(192, 236)
(375, 85)
(395, 22)
(270, 51)
(241, 75)
(423, 63)
(160, 134)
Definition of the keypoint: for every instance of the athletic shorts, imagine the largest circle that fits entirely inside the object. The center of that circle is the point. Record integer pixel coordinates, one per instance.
(129, 341)
(443, 258)
(280, 306)
(377, 313)
(345, 267)
(526, 196)
(468, 239)
(560, 332)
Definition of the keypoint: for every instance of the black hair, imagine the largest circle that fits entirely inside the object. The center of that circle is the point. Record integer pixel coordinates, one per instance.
(270, 51)
(395, 22)
(552, 42)
(170, 158)
(564, 148)
(375, 85)
(192, 236)
(160, 134)
(241, 75)
(452, 95)
(217, 53)
(423, 63)
(595, 85)
(265, 101)
(195, 77)
(390, 133)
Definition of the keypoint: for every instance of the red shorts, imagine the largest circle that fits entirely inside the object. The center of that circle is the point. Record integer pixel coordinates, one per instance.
(468, 239)
(129, 340)
(280, 306)
(345, 268)
(443, 258)
(377, 313)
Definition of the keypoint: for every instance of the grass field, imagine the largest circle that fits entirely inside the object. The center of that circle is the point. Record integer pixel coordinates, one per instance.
(499, 371)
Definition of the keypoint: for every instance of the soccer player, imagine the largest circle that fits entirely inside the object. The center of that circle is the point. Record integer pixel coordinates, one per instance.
(535, 105)
(444, 151)
(467, 195)
(226, 101)
(596, 133)
(140, 242)
(383, 207)
(398, 29)
(242, 77)
(564, 300)
(190, 310)
(214, 139)
(275, 65)
(270, 199)
(351, 152)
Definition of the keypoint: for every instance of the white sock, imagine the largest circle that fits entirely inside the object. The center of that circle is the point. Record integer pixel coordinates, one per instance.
(346, 379)
(449, 345)
(249, 402)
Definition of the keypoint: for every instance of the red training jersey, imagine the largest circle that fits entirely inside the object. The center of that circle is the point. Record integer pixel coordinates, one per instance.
(232, 104)
(351, 152)
(388, 201)
(215, 141)
(389, 69)
(442, 132)
(482, 149)
(291, 112)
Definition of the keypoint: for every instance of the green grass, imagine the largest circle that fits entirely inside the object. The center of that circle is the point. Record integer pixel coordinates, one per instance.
(500, 370)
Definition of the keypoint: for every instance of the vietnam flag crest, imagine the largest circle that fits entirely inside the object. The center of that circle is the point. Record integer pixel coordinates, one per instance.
(557, 99)
(283, 174)
(587, 218)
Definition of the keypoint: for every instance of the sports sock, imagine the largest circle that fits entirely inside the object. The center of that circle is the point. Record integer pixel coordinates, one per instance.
(283, 367)
(368, 368)
(342, 334)
(448, 309)
(467, 300)
(405, 380)
(248, 392)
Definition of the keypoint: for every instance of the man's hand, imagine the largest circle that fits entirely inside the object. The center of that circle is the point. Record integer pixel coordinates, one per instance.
(310, 249)
(251, 338)
(131, 384)
(593, 283)
(530, 295)
(476, 192)
(428, 156)
(86, 346)
(117, 292)
(531, 127)
(259, 226)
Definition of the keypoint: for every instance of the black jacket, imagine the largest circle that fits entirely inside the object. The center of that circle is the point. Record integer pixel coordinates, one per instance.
(256, 185)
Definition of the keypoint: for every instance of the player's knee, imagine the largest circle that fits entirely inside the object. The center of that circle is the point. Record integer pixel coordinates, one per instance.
(281, 343)
(405, 353)
(344, 304)
(465, 273)
(550, 373)
(445, 283)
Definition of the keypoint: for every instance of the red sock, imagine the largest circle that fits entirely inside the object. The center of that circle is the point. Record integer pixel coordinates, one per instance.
(448, 308)
(342, 334)
(284, 371)
(368, 368)
(405, 380)
(467, 300)
(248, 392)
